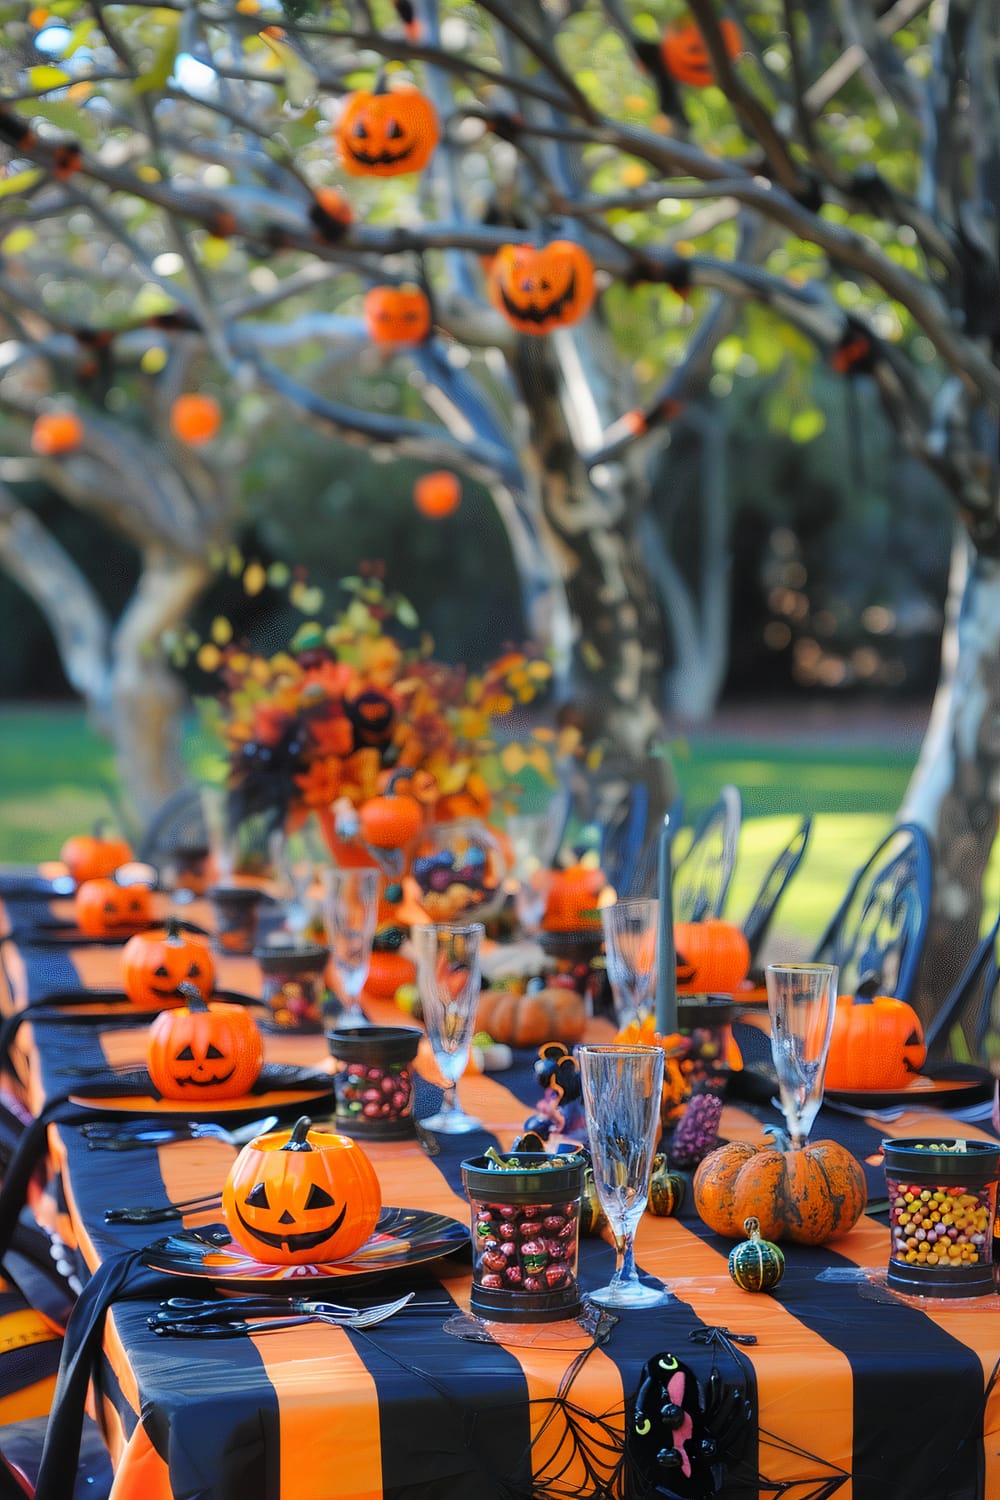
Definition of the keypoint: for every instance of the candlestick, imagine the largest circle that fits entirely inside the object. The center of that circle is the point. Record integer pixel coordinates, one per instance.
(666, 960)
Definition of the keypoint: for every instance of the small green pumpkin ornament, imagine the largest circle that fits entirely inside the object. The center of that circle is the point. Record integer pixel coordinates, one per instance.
(592, 1216)
(755, 1264)
(666, 1189)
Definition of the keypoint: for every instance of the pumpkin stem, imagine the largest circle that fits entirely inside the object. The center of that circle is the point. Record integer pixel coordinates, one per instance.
(299, 1138)
(173, 930)
(192, 994)
(751, 1227)
(867, 988)
(404, 773)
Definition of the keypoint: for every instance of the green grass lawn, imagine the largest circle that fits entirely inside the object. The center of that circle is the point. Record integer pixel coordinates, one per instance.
(55, 773)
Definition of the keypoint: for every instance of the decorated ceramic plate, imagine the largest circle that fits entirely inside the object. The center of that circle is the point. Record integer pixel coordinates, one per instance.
(404, 1237)
(281, 1087)
(963, 1085)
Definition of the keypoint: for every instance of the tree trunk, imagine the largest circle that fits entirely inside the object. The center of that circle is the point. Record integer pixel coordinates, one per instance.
(148, 696)
(954, 789)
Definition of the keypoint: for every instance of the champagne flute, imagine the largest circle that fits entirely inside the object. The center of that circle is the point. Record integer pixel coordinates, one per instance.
(532, 838)
(622, 1088)
(802, 1003)
(630, 950)
(350, 909)
(448, 980)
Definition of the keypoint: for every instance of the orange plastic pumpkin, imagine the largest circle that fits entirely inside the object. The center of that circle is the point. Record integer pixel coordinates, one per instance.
(103, 908)
(331, 213)
(386, 134)
(528, 1020)
(388, 970)
(541, 289)
(685, 55)
(391, 821)
(195, 419)
(571, 903)
(437, 494)
(56, 432)
(301, 1196)
(397, 314)
(713, 957)
(809, 1196)
(204, 1051)
(88, 856)
(876, 1044)
(155, 965)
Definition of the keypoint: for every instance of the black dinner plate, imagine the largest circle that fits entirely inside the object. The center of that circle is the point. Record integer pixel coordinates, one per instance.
(282, 1087)
(955, 1087)
(59, 933)
(403, 1238)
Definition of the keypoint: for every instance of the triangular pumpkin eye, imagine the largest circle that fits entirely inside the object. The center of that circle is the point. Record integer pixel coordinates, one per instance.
(185, 1055)
(318, 1197)
(393, 131)
(161, 972)
(358, 130)
(912, 1040)
(193, 971)
(213, 1051)
(257, 1196)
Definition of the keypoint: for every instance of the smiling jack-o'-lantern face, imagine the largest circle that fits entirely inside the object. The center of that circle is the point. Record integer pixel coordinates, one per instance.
(386, 134)
(301, 1197)
(155, 964)
(204, 1051)
(103, 908)
(538, 290)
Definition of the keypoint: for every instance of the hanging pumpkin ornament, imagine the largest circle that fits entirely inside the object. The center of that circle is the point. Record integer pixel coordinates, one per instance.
(437, 494)
(331, 213)
(386, 133)
(685, 55)
(541, 289)
(204, 1051)
(155, 964)
(755, 1264)
(195, 419)
(876, 1044)
(301, 1196)
(103, 908)
(667, 1189)
(397, 314)
(56, 432)
(88, 856)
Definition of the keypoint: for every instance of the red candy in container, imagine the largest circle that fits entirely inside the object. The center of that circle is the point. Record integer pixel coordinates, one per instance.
(373, 1086)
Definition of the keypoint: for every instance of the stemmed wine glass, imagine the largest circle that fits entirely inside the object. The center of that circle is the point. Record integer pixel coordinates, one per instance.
(802, 1003)
(622, 1089)
(350, 909)
(630, 949)
(448, 980)
(533, 837)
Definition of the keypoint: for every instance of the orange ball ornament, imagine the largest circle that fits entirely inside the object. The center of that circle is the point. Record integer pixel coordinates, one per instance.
(195, 419)
(56, 432)
(437, 494)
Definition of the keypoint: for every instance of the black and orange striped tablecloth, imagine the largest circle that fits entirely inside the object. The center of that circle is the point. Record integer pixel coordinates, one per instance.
(849, 1397)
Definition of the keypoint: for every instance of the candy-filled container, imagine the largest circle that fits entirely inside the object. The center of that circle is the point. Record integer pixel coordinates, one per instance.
(525, 1235)
(373, 1085)
(942, 1203)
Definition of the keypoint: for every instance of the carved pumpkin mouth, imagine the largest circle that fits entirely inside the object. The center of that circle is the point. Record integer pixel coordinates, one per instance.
(292, 1242)
(685, 971)
(381, 158)
(532, 312)
(205, 1083)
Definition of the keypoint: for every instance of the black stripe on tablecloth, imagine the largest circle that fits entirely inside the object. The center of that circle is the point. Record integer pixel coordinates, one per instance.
(47, 970)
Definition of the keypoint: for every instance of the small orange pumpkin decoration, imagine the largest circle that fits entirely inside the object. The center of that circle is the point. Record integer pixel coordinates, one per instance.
(810, 1196)
(56, 432)
(541, 289)
(390, 821)
(713, 957)
(437, 494)
(103, 908)
(386, 133)
(387, 970)
(685, 55)
(571, 903)
(331, 213)
(204, 1051)
(155, 965)
(89, 856)
(528, 1020)
(301, 1196)
(195, 419)
(876, 1044)
(397, 314)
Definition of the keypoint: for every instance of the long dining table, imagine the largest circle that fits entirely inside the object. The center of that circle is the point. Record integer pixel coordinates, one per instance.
(826, 1386)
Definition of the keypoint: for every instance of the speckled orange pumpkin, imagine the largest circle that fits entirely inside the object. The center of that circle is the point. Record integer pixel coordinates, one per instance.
(810, 1196)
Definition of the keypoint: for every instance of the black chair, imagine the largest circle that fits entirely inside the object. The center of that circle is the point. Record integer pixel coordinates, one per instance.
(969, 1007)
(876, 936)
(702, 875)
(757, 922)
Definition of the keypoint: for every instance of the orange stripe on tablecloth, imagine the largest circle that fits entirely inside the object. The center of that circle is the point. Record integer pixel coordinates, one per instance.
(99, 966)
(140, 1473)
(113, 1430)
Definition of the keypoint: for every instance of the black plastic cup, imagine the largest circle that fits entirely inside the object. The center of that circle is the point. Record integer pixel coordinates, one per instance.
(293, 983)
(235, 908)
(525, 1237)
(373, 1087)
(942, 1206)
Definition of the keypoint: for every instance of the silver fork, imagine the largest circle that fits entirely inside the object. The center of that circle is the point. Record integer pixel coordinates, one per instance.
(225, 1327)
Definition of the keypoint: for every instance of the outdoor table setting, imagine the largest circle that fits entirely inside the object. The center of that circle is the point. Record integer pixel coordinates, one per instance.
(478, 1331)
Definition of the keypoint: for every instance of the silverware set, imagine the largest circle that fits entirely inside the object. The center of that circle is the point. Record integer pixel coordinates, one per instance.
(140, 1134)
(188, 1317)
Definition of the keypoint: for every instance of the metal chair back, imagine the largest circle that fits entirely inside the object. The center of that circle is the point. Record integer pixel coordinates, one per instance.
(703, 874)
(757, 922)
(969, 1006)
